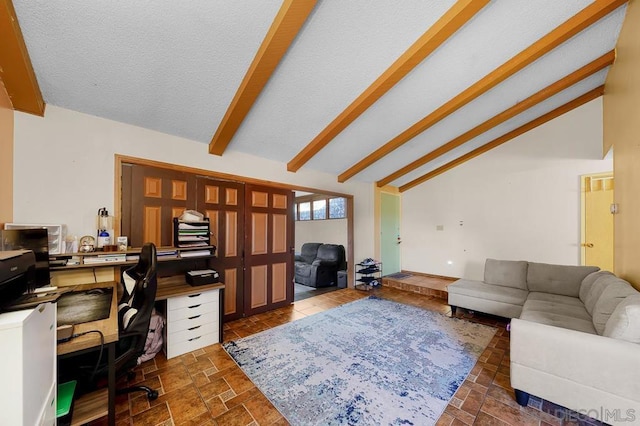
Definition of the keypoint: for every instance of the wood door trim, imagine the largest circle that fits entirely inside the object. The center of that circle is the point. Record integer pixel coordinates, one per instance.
(120, 159)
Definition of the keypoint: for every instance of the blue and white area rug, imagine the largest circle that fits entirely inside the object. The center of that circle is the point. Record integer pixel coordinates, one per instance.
(368, 362)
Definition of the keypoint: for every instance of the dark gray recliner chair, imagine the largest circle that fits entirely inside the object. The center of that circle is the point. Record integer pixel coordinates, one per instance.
(318, 264)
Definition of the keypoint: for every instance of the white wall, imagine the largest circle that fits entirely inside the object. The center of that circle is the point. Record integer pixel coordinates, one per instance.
(333, 231)
(518, 201)
(64, 169)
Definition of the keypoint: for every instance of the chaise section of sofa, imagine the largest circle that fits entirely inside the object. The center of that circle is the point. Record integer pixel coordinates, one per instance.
(502, 292)
(575, 334)
(593, 371)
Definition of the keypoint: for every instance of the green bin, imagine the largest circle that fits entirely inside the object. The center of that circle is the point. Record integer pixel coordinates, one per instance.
(64, 404)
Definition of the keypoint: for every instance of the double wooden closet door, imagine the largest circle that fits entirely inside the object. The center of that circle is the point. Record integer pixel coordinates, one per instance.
(252, 227)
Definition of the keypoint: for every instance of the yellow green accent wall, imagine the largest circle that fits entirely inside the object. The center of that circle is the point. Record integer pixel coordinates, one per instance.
(622, 131)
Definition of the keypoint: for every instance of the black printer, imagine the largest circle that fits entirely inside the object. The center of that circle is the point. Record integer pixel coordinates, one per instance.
(17, 271)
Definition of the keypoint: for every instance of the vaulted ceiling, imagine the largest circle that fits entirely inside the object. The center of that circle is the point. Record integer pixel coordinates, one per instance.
(380, 91)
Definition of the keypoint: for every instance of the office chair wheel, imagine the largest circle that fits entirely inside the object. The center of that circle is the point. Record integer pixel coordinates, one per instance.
(152, 395)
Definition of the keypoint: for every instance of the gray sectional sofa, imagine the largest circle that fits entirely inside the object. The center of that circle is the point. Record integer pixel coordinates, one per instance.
(575, 334)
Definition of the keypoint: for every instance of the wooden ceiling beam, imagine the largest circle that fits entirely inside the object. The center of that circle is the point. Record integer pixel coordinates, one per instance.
(458, 15)
(284, 29)
(587, 97)
(544, 94)
(583, 19)
(16, 70)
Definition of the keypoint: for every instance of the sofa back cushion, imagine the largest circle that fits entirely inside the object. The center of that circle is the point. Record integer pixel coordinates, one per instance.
(331, 254)
(557, 279)
(624, 323)
(587, 283)
(309, 251)
(596, 290)
(608, 301)
(506, 273)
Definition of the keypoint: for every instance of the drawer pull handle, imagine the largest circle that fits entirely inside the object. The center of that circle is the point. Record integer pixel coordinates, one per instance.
(193, 328)
(194, 306)
(197, 316)
(195, 338)
(194, 295)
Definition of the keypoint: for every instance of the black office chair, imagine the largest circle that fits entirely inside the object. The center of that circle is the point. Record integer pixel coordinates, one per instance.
(134, 326)
(134, 314)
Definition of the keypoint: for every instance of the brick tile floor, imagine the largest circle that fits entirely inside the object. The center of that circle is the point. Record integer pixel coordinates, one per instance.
(205, 387)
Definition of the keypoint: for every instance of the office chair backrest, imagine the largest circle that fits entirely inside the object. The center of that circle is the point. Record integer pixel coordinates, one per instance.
(142, 299)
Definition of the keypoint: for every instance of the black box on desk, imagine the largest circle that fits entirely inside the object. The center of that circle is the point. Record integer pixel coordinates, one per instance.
(202, 277)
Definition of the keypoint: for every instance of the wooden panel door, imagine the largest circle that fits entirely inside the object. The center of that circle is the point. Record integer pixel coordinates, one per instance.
(152, 197)
(223, 203)
(597, 244)
(269, 243)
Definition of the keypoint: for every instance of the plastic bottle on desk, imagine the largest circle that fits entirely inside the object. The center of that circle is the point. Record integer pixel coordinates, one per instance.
(103, 238)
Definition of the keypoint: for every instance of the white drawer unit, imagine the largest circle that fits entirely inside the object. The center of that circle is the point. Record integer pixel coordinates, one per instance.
(175, 349)
(191, 300)
(48, 416)
(28, 367)
(56, 233)
(188, 312)
(193, 333)
(206, 315)
(193, 322)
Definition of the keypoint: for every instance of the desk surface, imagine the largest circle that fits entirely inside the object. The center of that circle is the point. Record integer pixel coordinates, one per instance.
(175, 286)
(108, 326)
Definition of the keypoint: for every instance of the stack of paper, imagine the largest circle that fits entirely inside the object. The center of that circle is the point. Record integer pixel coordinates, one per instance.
(195, 253)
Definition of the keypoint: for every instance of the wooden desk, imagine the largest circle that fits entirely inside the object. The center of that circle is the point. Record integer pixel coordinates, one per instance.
(176, 286)
(91, 406)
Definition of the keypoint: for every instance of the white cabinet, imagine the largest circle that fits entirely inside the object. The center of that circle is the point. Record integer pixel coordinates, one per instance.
(193, 322)
(28, 366)
(56, 233)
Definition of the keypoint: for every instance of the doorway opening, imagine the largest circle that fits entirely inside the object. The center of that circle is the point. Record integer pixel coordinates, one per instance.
(596, 246)
(321, 239)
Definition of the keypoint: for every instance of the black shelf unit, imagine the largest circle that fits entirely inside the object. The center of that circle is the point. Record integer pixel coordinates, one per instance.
(366, 273)
(192, 235)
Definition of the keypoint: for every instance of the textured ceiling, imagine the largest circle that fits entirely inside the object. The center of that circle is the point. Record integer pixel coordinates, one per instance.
(175, 67)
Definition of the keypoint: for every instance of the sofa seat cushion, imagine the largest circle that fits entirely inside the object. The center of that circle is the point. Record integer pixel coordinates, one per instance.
(562, 312)
(557, 279)
(507, 273)
(555, 299)
(480, 290)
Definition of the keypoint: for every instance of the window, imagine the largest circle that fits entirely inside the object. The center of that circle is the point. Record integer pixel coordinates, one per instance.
(337, 208)
(305, 211)
(319, 207)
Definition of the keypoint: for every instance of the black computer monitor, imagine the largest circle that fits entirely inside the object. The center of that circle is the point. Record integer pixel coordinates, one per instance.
(35, 239)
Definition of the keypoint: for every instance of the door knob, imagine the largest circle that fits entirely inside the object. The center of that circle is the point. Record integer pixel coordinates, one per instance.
(588, 245)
